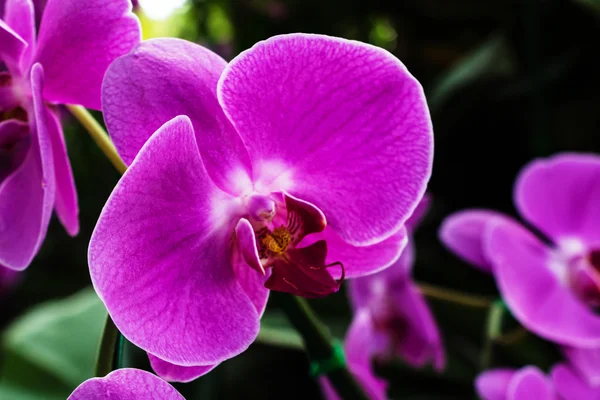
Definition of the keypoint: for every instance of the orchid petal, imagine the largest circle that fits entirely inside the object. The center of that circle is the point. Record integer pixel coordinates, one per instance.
(126, 384)
(463, 233)
(65, 204)
(493, 384)
(586, 362)
(535, 294)
(246, 264)
(560, 196)
(422, 340)
(359, 261)
(176, 373)
(27, 195)
(20, 16)
(338, 123)
(160, 256)
(163, 78)
(12, 47)
(77, 43)
(528, 383)
(570, 386)
(419, 213)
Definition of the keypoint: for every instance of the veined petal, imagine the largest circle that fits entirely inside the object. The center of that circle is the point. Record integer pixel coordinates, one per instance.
(176, 373)
(77, 43)
(66, 205)
(534, 293)
(570, 386)
(126, 384)
(463, 233)
(20, 16)
(359, 260)
(27, 195)
(560, 196)
(163, 78)
(160, 256)
(338, 123)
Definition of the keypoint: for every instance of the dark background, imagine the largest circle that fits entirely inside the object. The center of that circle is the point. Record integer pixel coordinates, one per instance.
(507, 81)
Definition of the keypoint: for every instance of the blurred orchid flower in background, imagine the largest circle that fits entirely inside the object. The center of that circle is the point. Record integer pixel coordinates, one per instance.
(552, 289)
(391, 319)
(126, 384)
(268, 182)
(65, 64)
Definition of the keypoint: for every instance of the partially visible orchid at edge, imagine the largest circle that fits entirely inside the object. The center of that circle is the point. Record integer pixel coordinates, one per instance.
(63, 64)
(293, 166)
(391, 319)
(126, 384)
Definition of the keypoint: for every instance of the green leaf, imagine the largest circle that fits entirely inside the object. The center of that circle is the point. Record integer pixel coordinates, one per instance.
(492, 58)
(52, 349)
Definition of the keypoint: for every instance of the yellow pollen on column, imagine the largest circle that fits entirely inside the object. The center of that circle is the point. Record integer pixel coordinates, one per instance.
(277, 241)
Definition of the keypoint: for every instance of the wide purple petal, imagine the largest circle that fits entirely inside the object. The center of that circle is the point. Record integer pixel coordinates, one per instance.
(65, 204)
(12, 47)
(560, 196)
(530, 383)
(493, 384)
(359, 260)
(176, 373)
(15, 143)
(160, 256)
(27, 195)
(463, 233)
(586, 362)
(20, 16)
(570, 386)
(536, 294)
(126, 384)
(163, 78)
(338, 123)
(77, 43)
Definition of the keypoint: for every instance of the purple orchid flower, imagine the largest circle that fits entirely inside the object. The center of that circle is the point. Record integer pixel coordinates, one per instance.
(401, 323)
(35, 173)
(214, 209)
(126, 384)
(391, 318)
(551, 289)
(571, 384)
(508, 384)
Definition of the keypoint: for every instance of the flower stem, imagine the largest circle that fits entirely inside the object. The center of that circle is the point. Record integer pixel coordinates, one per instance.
(456, 297)
(318, 343)
(109, 353)
(493, 331)
(99, 135)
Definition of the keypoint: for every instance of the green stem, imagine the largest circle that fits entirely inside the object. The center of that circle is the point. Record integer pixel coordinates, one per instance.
(99, 135)
(318, 343)
(108, 353)
(493, 331)
(453, 296)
